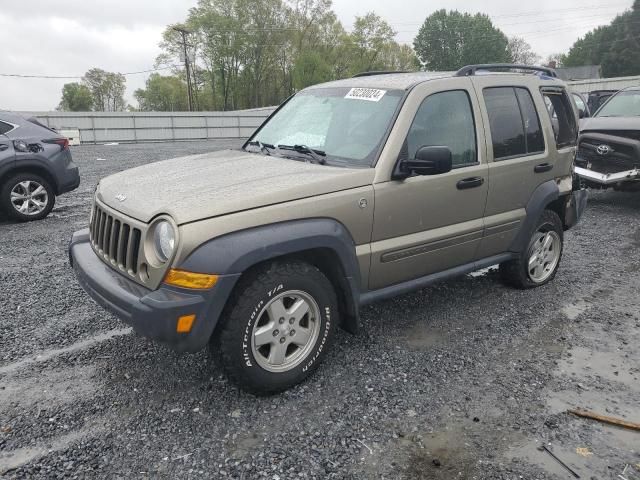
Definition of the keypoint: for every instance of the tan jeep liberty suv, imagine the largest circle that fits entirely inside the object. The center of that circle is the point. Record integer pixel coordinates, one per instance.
(352, 191)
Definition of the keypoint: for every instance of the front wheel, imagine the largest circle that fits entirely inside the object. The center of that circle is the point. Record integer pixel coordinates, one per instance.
(539, 263)
(277, 327)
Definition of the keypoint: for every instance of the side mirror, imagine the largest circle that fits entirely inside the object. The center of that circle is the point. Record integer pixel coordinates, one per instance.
(430, 161)
(582, 113)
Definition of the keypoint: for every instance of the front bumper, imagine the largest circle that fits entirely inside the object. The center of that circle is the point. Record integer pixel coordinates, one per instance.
(151, 313)
(607, 179)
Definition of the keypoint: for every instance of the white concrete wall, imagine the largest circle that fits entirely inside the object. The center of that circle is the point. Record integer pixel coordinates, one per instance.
(618, 83)
(103, 127)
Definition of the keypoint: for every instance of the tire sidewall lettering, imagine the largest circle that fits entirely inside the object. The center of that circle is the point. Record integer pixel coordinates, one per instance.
(247, 354)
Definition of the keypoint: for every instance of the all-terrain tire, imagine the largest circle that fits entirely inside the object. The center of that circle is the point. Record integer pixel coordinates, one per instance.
(518, 273)
(34, 212)
(251, 310)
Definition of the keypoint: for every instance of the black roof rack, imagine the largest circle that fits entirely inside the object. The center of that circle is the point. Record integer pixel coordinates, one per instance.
(472, 69)
(380, 72)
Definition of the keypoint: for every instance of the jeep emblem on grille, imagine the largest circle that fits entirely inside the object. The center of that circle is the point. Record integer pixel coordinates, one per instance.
(121, 197)
(603, 149)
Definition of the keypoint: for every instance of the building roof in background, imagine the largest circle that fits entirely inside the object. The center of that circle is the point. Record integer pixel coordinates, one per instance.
(585, 72)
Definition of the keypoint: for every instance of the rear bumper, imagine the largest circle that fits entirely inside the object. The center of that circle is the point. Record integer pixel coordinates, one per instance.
(607, 178)
(575, 207)
(66, 172)
(151, 313)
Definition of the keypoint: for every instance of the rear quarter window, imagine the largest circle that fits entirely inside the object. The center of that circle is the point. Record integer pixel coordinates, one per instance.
(5, 127)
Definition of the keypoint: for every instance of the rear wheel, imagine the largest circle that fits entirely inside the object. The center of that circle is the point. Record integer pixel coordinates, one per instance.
(27, 196)
(277, 327)
(539, 263)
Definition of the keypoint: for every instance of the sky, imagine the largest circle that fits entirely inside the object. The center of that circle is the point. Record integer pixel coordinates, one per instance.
(68, 37)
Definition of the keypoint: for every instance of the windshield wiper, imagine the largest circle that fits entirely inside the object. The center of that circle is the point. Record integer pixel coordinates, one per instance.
(316, 155)
(264, 147)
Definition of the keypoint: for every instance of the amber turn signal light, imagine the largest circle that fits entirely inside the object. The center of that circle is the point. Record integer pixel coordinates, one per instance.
(185, 323)
(184, 279)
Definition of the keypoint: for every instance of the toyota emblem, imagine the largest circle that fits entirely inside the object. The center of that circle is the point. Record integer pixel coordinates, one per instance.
(603, 149)
(121, 197)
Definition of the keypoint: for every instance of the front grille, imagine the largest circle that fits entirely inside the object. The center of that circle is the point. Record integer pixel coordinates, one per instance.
(621, 158)
(115, 240)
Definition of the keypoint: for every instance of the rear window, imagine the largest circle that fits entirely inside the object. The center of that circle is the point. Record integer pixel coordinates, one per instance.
(5, 127)
(35, 121)
(562, 117)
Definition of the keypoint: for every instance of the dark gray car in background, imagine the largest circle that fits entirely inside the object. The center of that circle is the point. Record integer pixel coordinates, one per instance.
(35, 167)
(609, 144)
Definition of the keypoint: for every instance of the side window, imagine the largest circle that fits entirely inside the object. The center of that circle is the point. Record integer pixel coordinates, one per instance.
(534, 139)
(445, 119)
(5, 127)
(580, 103)
(513, 121)
(562, 117)
(505, 122)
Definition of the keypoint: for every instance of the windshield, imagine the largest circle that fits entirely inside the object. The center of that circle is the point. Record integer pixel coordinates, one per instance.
(623, 104)
(345, 125)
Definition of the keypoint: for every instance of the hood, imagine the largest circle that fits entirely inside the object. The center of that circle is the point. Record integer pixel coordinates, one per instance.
(609, 123)
(218, 183)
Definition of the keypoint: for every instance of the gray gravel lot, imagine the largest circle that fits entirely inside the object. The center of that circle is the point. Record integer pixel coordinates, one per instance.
(464, 379)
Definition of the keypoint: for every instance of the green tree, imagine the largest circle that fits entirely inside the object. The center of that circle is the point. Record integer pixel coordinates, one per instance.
(557, 59)
(370, 36)
(521, 52)
(253, 53)
(76, 97)
(162, 94)
(310, 68)
(615, 47)
(107, 89)
(450, 40)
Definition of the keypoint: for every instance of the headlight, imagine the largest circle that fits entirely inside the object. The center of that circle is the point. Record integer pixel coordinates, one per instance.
(164, 240)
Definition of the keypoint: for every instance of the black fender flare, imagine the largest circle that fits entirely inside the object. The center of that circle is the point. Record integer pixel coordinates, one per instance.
(237, 252)
(542, 196)
(29, 163)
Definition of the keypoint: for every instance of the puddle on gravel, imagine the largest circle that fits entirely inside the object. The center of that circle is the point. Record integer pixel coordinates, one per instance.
(600, 374)
(242, 444)
(446, 454)
(595, 459)
(574, 310)
(423, 337)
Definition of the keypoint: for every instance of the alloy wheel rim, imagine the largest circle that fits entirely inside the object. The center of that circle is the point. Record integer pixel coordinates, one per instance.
(29, 197)
(544, 256)
(285, 331)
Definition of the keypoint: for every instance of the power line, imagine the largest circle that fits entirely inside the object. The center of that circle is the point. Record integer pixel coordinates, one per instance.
(75, 77)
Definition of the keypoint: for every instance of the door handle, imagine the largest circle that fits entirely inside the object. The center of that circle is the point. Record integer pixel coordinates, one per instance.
(470, 182)
(543, 167)
(3, 146)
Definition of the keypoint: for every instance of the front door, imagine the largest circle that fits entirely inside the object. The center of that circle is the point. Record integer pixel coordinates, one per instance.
(426, 224)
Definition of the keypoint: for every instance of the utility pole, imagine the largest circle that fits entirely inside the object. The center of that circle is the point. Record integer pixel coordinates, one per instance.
(183, 33)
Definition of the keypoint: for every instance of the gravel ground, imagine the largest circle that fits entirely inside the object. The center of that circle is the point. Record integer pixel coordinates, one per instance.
(464, 379)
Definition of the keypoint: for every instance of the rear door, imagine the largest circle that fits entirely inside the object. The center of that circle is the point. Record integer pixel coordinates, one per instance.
(521, 155)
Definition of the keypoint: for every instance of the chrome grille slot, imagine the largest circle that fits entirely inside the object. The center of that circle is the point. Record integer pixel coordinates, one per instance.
(115, 240)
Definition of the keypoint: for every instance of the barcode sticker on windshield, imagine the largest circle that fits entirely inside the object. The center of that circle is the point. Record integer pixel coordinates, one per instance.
(369, 94)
